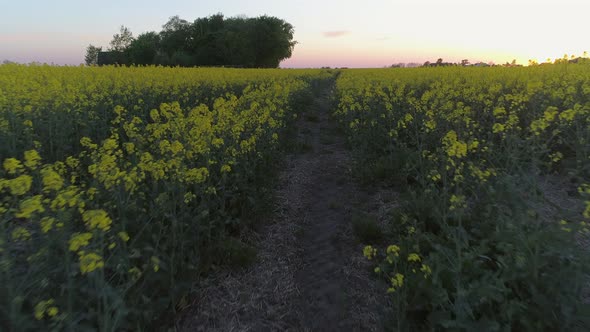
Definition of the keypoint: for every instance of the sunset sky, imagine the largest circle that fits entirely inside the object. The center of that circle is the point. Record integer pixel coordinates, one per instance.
(370, 33)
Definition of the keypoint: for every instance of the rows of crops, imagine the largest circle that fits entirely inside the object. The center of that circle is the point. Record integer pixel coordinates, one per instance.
(118, 185)
(477, 243)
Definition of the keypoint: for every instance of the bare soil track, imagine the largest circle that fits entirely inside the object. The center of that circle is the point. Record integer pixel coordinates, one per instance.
(310, 274)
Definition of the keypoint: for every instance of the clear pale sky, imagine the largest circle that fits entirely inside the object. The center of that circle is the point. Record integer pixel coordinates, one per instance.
(369, 33)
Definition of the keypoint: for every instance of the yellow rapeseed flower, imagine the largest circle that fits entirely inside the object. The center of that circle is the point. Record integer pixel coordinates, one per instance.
(457, 202)
(188, 197)
(556, 157)
(129, 147)
(68, 197)
(550, 114)
(30, 206)
(47, 224)
(225, 169)
(97, 219)
(430, 125)
(90, 261)
(79, 240)
(124, 236)
(154, 115)
(51, 180)
(20, 185)
(397, 281)
(413, 257)
(568, 115)
(110, 144)
(369, 252)
(499, 112)
(32, 159)
(91, 192)
(21, 234)
(12, 165)
(72, 162)
(217, 142)
(155, 263)
(52, 311)
(196, 175)
(498, 128)
(176, 147)
(453, 146)
(393, 249)
(87, 142)
(135, 273)
(426, 270)
(45, 307)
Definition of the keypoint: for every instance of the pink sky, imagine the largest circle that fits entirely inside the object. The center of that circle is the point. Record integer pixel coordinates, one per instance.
(335, 33)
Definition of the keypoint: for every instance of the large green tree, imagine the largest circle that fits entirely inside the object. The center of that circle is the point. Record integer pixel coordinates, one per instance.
(175, 35)
(121, 40)
(273, 41)
(208, 41)
(91, 57)
(144, 48)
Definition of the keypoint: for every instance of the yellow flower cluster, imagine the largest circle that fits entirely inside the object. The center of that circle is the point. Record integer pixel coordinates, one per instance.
(426, 270)
(18, 186)
(97, 219)
(457, 202)
(90, 261)
(51, 180)
(453, 146)
(21, 234)
(369, 252)
(155, 263)
(124, 236)
(412, 264)
(414, 257)
(459, 138)
(32, 159)
(47, 224)
(550, 115)
(100, 153)
(29, 206)
(78, 241)
(46, 308)
(397, 281)
(12, 165)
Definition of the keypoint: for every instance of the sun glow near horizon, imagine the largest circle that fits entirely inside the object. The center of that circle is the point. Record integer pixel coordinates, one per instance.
(488, 31)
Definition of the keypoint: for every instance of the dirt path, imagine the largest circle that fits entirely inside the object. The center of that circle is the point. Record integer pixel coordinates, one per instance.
(310, 274)
(334, 297)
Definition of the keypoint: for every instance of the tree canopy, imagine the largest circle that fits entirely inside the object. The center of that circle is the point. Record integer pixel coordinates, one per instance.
(91, 57)
(261, 42)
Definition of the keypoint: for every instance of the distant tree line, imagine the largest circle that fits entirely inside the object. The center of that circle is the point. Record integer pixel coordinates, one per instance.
(261, 42)
(441, 63)
(565, 59)
(464, 63)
